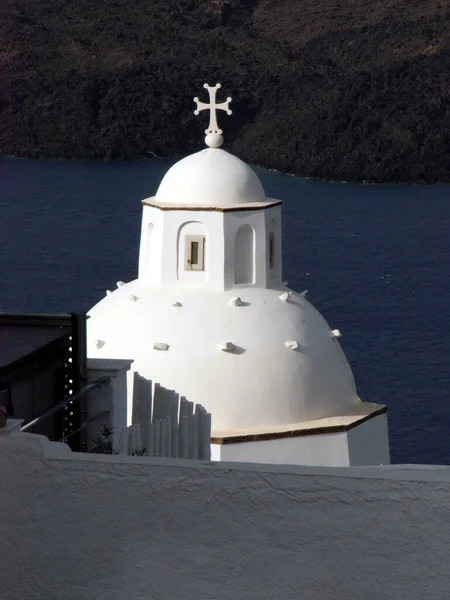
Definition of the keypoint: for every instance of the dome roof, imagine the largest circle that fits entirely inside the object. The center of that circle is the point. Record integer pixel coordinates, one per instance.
(211, 177)
(264, 382)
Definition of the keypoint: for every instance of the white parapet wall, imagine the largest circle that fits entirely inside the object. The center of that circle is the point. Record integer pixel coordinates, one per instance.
(107, 404)
(94, 527)
(363, 443)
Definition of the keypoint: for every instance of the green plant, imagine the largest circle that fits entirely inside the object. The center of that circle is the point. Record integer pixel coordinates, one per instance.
(142, 452)
(103, 442)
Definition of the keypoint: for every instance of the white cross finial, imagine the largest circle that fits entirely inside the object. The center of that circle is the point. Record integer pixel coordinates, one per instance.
(213, 133)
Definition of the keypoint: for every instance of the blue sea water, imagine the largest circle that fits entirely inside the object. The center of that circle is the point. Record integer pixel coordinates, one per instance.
(375, 260)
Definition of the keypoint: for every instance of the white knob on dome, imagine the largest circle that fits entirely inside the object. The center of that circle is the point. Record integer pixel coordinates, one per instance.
(214, 140)
(226, 346)
(291, 344)
(237, 301)
(286, 297)
(162, 346)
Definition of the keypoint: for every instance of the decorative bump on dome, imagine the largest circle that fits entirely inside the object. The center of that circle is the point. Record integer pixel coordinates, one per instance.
(177, 304)
(236, 301)
(335, 333)
(303, 294)
(286, 283)
(108, 292)
(162, 346)
(121, 284)
(286, 297)
(291, 344)
(226, 346)
(213, 137)
(99, 344)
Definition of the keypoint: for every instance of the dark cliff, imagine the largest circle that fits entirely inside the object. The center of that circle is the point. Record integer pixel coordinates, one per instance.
(333, 89)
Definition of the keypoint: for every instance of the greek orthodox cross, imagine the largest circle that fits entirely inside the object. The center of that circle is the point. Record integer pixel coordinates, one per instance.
(212, 107)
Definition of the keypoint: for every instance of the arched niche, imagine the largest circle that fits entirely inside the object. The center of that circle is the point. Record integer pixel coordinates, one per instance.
(150, 251)
(192, 252)
(244, 255)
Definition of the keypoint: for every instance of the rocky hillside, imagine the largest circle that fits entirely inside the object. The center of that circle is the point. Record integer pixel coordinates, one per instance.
(333, 89)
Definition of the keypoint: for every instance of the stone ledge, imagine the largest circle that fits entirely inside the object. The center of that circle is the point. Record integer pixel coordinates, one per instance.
(339, 424)
(153, 202)
(112, 366)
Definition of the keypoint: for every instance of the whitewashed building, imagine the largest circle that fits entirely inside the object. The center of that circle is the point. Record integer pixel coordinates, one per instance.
(210, 317)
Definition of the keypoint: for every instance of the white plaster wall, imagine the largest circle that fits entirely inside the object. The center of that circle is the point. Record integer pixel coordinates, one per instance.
(208, 223)
(314, 450)
(85, 527)
(244, 255)
(232, 222)
(368, 444)
(150, 251)
(364, 445)
(162, 259)
(108, 403)
(216, 452)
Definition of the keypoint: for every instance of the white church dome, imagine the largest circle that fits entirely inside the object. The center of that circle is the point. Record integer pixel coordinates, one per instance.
(209, 316)
(286, 366)
(211, 177)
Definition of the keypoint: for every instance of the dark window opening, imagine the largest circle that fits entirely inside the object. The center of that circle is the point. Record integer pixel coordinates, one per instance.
(194, 258)
(271, 250)
(194, 253)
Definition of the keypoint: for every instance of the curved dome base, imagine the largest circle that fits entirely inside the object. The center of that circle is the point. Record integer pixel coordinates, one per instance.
(260, 363)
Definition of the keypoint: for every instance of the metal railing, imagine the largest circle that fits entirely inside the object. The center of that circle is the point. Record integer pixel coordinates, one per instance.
(70, 399)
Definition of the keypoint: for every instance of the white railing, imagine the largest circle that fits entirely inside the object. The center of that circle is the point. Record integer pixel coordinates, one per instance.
(167, 425)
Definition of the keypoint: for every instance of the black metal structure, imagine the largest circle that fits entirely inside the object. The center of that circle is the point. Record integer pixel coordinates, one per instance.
(43, 363)
(75, 413)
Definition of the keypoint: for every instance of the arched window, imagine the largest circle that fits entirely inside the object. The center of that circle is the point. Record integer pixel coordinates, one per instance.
(244, 255)
(192, 252)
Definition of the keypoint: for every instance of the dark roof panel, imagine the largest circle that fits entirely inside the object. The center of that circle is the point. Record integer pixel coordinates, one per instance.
(20, 340)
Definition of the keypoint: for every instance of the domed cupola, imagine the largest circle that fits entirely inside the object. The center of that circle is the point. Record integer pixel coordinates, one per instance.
(209, 317)
(214, 207)
(210, 178)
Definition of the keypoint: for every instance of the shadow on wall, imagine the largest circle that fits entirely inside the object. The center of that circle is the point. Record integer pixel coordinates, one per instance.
(139, 525)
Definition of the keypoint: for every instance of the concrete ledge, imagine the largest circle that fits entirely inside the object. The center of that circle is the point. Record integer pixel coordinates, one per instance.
(112, 366)
(153, 202)
(342, 423)
(153, 528)
(43, 448)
